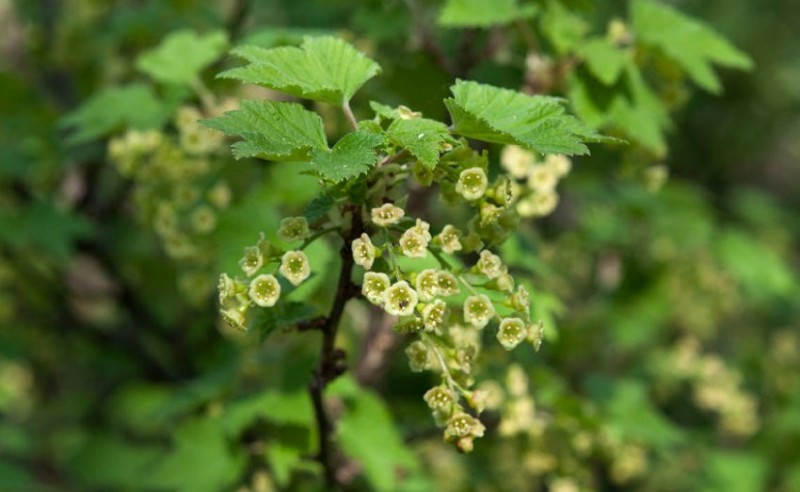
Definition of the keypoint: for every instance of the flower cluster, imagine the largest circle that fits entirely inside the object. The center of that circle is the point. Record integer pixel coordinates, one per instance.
(448, 309)
(177, 191)
(538, 197)
(263, 264)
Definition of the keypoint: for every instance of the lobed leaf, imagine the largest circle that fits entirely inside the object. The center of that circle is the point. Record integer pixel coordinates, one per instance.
(276, 131)
(323, 69)
(604, 60)
(693, 45)
(492, 114)
(134, 105)
(420, 136)
(352, 156)
(182, 55)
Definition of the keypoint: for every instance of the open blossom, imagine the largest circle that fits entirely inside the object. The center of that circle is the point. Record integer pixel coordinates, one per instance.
(478, 310)
(293, 229)
(400, 299)
(538, 204)
(252, 260)
(511, 333)
(234, 318)
(490, 264)
(462, 429)
(472, 183)
(419, 356)
(363, 251)
(295, 267)
(434, 315)
(447, 284)
(414, 241)
(559, 164)
(450, 239)
(226, 288)
(521, 300)
(374, 285)
(387, 214)
(427, 284)
(265, 290)
(542, 178)
(440, 398)
(516, 160)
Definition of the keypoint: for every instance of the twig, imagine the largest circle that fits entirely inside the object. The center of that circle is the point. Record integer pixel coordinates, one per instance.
(331, 360)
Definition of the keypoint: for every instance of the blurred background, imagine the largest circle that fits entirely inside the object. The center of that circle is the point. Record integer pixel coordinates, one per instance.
(667, 277)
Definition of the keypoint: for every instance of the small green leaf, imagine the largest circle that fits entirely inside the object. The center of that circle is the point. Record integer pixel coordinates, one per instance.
(276, 131)
(421, 136)
(604, 60)
(492, 114)
(279, 408)
(483, 13)
(323, 69)
(133, 105)
(352, 156)
(182, 55)
(285, 314)
(690, 43)
(318, 207)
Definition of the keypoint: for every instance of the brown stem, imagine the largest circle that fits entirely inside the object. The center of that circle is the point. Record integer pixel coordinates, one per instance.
(331, 360)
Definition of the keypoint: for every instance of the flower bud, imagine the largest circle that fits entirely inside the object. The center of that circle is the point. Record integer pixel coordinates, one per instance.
(265, 290)
(295, 267)
(234, 318)
(511, 333)
(478, 310)
(293, 229)
(472, 183)
(374, 286)
(400, 299)
(386, 215)
(521, 300)
(559, 164)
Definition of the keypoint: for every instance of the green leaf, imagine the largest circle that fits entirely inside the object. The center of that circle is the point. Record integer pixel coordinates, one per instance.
(285, 314)
(604, 60)
(564, 29)
(323, 69)
(367, 433)
(182, 55)
(352, 156)
(629, 105)
(270, 37)
(693, 45)
(492, 114)
(133, 105)
(318, 207)
(276, 407)
(421, 136)
(276, 131)
(108, 462)
(483, 13)
(200, 459)
(42, 226)
(731, 471)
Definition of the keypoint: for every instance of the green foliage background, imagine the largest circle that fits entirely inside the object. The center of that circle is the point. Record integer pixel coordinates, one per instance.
(114, 375)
